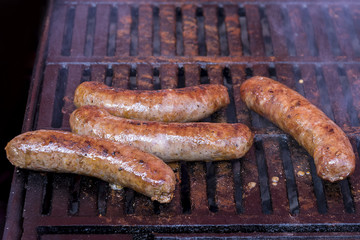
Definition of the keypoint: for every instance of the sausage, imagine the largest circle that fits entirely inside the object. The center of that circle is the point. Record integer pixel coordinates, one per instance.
(168, 141)
(167, 105)
(329, 146)
(58, 151)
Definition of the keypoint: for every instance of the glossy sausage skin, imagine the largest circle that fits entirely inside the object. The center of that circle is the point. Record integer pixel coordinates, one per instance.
(322, 138)
(48, 150)
(168, 141)
(168, 105)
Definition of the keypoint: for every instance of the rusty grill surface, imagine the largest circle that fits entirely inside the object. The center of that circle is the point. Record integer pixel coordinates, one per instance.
(273, 192)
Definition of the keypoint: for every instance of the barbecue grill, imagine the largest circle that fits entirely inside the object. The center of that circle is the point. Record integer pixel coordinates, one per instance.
(273, 192)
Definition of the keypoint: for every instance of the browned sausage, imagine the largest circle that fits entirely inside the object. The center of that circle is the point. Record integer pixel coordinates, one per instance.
(322, 138)
(168, 141)
(47, 150)
(168, 105)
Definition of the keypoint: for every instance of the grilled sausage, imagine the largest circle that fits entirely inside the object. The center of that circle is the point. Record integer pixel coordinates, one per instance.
(48, 150)
(168, 105)
(168, 141)
(322, 138)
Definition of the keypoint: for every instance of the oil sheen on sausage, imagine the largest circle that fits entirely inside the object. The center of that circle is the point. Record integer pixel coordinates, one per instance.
(167, 105)
(320, 136)
(168, 141)
(58, 151)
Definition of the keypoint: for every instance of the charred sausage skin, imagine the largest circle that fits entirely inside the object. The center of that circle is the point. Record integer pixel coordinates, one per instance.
(48, 150)
(320, 136)
(168, 141)
(168, 105)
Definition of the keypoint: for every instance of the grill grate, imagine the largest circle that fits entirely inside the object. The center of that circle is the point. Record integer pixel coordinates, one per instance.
(273, 192)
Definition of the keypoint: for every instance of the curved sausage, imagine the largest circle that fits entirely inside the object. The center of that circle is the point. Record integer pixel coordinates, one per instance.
(168, 141)
(47, 150)
(322, 138)
(168, 105)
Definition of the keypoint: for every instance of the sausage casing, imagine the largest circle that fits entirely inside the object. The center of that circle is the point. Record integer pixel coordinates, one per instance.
(48, 150)
(168, 141)
(320, 136)
(167, 105)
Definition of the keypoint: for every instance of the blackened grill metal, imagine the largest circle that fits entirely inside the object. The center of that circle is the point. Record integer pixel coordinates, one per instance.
(273, 192)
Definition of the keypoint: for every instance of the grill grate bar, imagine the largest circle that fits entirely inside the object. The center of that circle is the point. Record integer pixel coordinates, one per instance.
(123, 33)
(211, 22)
(145, 31)
(168, 30)
(190, 21)
(233, 29)
(101, 31)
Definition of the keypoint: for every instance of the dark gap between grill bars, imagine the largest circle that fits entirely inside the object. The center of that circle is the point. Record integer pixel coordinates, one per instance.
(297, 77)
(266, 203)
(244, 31)
(86, 75)
(269, 51)
(134, 31)
(272, 71)
(179, 32)
(113, 19)
(318, 188)
(103, 191)
(351, 30)
(68, 31)
(109, 74)
(288, 32)
(156, 79)
(47, 193)
(330, 31)
(324, 95)
(235, 164)
(181, 77)
(90, 32)
(57, 116)
(291, 187)
(156, 31)
(314, 50)
(200, 32)
(351, 110)
(74, 195)
(224, 48)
